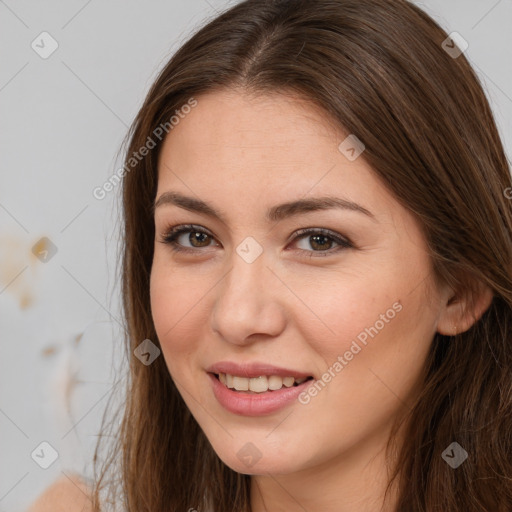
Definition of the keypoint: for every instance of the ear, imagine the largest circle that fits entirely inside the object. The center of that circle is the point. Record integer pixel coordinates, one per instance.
(462, 310)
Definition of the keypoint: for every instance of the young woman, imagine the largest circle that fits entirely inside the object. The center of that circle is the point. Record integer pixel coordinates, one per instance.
(317, 272)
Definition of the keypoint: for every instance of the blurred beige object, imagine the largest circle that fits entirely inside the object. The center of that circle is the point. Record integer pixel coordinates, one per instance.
(15, 277)
(63, 381)
(67, 494)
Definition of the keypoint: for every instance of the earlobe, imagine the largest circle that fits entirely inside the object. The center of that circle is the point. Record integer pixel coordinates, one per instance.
(462, 312)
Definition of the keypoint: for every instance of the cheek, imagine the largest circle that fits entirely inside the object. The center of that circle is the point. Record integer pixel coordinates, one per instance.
(339, 308)
(372, 323)
(177, 308)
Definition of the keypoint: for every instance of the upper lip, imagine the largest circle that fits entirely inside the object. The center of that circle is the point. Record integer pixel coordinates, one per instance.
(255, 369)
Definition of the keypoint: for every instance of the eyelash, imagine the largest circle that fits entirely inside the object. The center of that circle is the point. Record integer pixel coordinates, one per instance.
(172, 233)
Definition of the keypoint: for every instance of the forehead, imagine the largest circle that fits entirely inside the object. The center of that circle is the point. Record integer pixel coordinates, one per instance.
(234, 127)
(244, 149)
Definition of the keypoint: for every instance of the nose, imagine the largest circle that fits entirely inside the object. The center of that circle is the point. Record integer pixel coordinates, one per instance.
(248, 302)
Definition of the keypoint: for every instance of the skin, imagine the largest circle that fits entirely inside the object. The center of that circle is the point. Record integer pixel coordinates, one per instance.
(69, 493)
(290, 307)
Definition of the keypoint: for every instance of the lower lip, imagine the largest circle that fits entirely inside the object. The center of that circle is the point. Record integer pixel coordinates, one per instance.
(255, 404)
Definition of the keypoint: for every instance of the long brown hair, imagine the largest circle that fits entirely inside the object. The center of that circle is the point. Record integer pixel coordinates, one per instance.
(380, 70)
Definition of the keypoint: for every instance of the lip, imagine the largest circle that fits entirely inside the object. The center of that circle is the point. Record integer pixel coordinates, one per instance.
(252, 370)
(255, 404)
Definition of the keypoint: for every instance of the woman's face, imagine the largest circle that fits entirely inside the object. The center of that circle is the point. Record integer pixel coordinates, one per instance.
(354, 306)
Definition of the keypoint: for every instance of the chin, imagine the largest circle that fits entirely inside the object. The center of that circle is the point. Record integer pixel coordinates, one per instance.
(262, 467)
(257, 458)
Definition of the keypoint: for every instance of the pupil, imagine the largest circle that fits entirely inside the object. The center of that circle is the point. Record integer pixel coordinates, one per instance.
(321, 237)
(198, 235)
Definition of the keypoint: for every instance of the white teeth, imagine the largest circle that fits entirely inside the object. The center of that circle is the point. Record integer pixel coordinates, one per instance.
(259, 384)
(241, 383)
(275, 382)
(288, 381)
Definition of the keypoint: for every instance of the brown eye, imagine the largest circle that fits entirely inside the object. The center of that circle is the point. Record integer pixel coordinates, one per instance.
(321, 241)
(201, 238)
(197, 238)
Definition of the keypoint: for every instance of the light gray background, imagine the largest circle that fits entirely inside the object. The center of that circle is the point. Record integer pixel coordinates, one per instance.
(63, 119)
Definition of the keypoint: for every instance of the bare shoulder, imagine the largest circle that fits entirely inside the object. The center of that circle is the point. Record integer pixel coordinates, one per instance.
(64, 495)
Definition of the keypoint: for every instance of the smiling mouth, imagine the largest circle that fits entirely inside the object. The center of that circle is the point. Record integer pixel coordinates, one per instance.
(260, 384)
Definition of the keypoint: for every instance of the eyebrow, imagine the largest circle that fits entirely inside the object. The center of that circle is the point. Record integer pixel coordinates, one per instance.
(275, 213)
